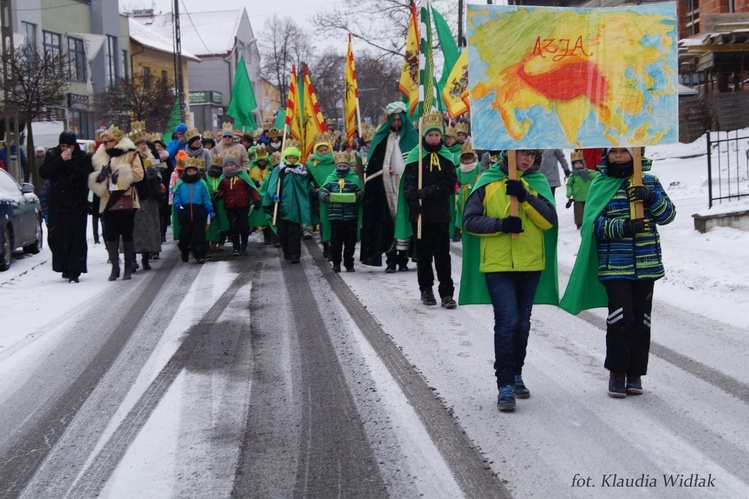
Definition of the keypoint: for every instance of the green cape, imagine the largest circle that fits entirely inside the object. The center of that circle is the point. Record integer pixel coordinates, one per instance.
(405, 211)
(320, 171)
(325, 207)
(584, 290)
(220, 220)
(473, 288)
(297, 206)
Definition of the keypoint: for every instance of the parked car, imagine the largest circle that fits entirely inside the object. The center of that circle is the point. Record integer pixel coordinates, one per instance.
(20, 219)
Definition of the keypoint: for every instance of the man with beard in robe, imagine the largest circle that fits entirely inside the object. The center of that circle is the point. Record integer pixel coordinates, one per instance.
(383, 231)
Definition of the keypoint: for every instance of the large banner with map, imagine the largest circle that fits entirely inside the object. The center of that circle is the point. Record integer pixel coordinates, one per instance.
(545, 77)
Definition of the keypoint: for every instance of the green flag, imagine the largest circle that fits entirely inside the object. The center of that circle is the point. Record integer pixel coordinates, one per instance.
(280, 119)
(242, 101)
(449, 50)
(174, 118)
(427, 101)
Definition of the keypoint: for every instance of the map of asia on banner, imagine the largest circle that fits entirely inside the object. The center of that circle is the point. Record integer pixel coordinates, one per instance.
(544, 77)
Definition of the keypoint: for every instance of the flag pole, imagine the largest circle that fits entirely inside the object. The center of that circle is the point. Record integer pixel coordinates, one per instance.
(418, 221)
(278, 183)
(637, 179)
(512, 174)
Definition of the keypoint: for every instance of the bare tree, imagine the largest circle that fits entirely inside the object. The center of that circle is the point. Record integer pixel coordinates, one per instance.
(140, 98)
(284, 44)
(377, 79)
(327, 75)
(381, 24)
(36, 81)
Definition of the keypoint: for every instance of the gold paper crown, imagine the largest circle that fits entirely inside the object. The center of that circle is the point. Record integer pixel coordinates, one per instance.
(321, 138)
(191, 134)
(195, 163)
(227, 126)
(342, 157)
(293, 143)
(208, 135)
(330, 121)
(256, 134)
(261, 152)
(369, 133)
(114, 133)
(275, 158)
(432, 119)
(451, 131)
(217, 160)
(274, 132)
(153, 137)
(467, 148)
(137, 135)
(267, 125)
(461, 127)
(576, 156)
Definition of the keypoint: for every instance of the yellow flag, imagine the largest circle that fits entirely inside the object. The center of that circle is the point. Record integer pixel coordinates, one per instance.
(293, 116)
(409, 82)
(351, 93)
(455, 93)
(314, 123)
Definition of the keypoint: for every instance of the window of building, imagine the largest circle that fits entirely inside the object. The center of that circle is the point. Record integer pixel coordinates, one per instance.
(53, 47)
(693, 17)
(146, 76)
(124, 70)
(29, 33)
(164, 78)
(111, 59)
(76, 59)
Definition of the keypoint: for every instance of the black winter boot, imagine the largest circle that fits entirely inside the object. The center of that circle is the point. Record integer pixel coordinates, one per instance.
(113, 248)
(145, 259)
(129, 250)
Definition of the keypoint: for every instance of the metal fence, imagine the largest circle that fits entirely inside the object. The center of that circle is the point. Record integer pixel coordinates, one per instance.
(727, 166)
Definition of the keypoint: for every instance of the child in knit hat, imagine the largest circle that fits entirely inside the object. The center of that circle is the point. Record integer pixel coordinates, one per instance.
(238, 192)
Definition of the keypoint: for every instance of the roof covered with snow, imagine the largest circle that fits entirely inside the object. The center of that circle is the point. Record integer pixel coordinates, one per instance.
(149, 38)
(204, 34)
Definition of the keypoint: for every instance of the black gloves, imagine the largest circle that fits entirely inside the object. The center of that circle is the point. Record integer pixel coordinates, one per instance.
(103, 174)
(515, 188)
(217, 196)
(426, 192)
(569, 202)
(511, 225)
(256, 204)
(414, 212)
(636, 226)
(642, 193)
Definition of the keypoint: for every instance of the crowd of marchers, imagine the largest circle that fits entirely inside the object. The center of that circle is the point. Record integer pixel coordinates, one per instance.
(399, 190)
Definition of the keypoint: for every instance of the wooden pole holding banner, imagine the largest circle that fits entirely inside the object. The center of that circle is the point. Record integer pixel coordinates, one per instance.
(278, 184)
(418, 221)
(637, 179)
(512, 174)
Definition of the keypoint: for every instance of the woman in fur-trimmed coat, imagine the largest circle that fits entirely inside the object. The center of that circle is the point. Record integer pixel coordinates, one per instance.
(117, 166)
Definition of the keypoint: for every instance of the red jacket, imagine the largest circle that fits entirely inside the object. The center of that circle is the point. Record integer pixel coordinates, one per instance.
(236, 193)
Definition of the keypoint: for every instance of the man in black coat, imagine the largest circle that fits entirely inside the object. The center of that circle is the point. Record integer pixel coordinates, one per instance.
(67, 168)
(431, 200)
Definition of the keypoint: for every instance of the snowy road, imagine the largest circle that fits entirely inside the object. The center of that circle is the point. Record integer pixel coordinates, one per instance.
(252, 377)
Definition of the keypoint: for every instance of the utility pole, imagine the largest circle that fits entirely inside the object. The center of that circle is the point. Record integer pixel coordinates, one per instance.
(178, 63)
(461, 38)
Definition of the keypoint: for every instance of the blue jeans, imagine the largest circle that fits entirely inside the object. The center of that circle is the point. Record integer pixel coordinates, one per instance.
(512, 296)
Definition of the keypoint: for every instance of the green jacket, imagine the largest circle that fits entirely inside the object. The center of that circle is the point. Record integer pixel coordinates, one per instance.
(294, 204)
(577, 187)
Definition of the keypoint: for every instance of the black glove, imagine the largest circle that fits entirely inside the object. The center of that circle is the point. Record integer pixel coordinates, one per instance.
(569, 202)
(636, 226)
(256, 204)
(103, 174)
(425, 192)
(217, 196)
(515, 188)
(567, 174)
(642, 193)
(511, 225)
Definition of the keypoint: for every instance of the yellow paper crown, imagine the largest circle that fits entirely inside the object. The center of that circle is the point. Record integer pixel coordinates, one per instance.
(114, 133)
(330, 121)
(267, 125)
(461, 127)
(576, 156)
(451, 131)
(217, 160)
(274, 132)
(432, 119)
(256, 134)
(191, 134)
(293, 143)
(467, 148)
(275, 158)
(227, 126)
(321, 138)
(369, 133)
(342, 157)
(208, 135)
(153, 137)
(261, 152)
(195, 163)
(137, 135)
